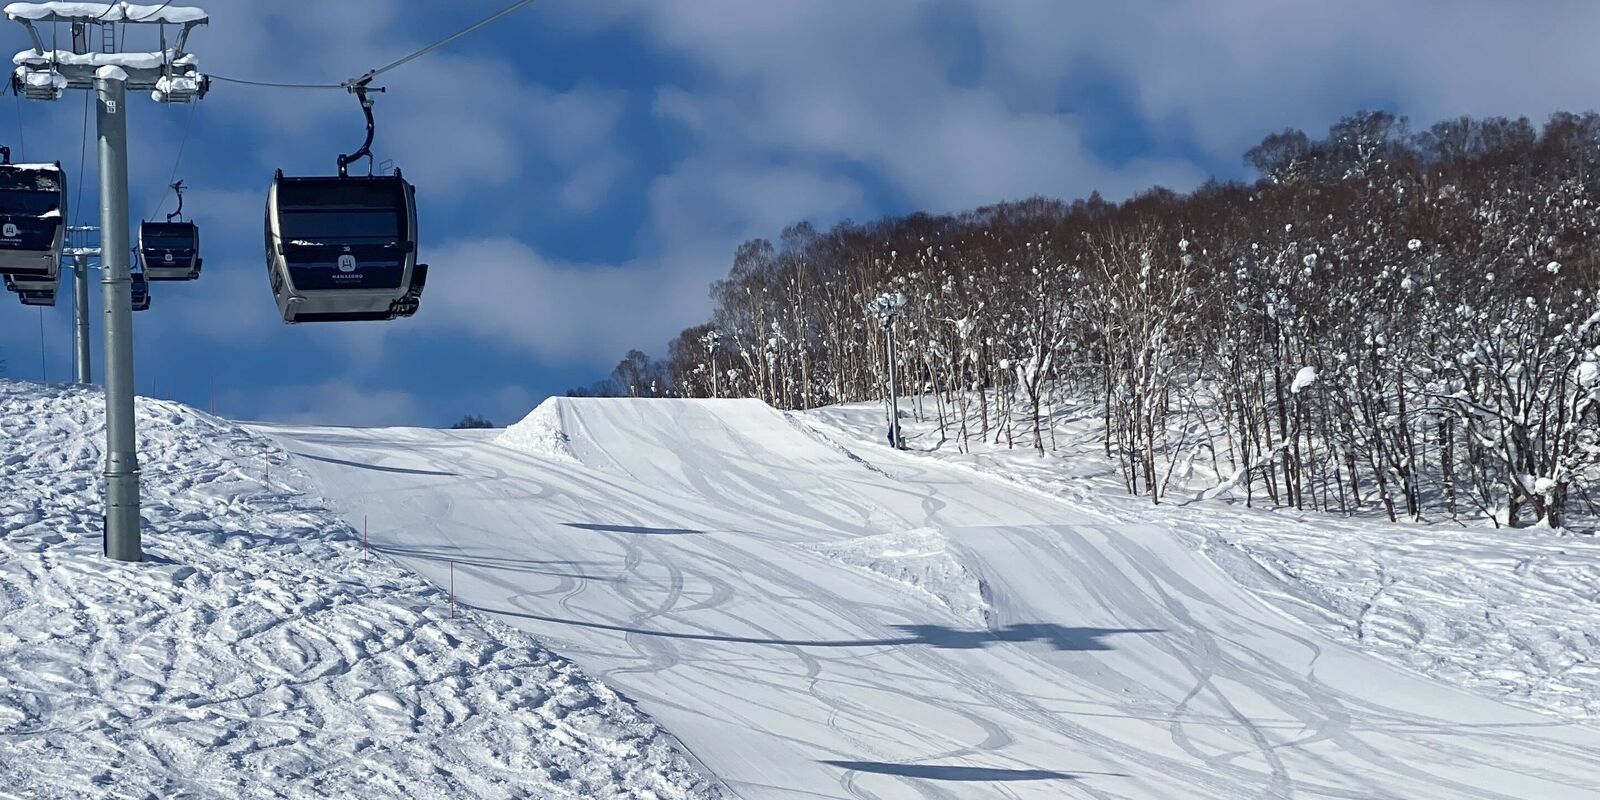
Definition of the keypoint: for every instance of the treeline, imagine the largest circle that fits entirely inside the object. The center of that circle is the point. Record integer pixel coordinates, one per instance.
(1405, 319)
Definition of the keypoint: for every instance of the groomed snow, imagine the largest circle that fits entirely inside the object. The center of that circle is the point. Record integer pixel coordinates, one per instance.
(743, 581)
(256, 654)
(920, 558)
(1513, 615)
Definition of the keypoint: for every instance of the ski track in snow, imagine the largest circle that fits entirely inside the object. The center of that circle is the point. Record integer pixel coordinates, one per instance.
(687, 552)
(256, 654)
(1513, 614)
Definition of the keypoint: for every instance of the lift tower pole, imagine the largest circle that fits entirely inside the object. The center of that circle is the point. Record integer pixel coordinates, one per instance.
(122, 458)
(80, 298)
(171, 75)
(80, 310)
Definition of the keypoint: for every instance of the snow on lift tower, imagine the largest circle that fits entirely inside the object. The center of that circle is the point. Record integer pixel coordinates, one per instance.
(171, 74)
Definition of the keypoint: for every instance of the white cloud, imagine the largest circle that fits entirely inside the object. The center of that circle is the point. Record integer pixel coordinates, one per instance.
(338, 403)
(1232, 71)
(506, 291)
(868, 84)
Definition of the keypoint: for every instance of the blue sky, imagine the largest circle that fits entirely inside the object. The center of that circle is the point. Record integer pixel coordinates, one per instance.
(585, 169)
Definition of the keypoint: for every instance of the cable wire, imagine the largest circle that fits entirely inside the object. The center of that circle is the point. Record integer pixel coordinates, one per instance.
(188, 125)
(83, 159)
(153, 13)
(274, 84)
(448, 39)
(22, 138)
(370, 74)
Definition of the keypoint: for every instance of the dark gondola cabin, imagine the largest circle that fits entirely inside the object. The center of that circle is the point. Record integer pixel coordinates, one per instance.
(32, 283)
(169, 251)
(139, 291)
(38, 297)
(32, 197)
(343, 248)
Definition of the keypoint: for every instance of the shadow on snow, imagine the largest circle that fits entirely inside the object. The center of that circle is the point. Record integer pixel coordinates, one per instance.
(596, 526)
(1058, 637)
(941, 772)
(375, 467)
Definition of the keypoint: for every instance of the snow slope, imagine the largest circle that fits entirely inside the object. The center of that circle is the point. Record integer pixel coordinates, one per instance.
(700, 557)
(255, 654)
(1510, 614)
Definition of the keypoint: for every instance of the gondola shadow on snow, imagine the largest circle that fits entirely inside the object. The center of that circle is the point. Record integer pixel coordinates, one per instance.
(948, 772)
(375, 467)
(1058, 637)
(637, 529)
(530, 566)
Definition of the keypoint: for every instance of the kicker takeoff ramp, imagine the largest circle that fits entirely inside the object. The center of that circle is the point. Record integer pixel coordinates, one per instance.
(816, 623)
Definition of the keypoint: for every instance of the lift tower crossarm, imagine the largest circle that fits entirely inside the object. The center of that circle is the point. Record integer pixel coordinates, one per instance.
(171, 74)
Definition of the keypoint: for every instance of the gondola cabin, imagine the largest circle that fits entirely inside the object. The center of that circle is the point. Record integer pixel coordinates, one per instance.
(41, 297)
(169, 251)
(32, 283)
(32, 225)
(139, 291)
(33, 297)
(343, 248)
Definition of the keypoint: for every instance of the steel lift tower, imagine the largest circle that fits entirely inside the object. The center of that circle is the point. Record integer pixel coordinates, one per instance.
(97, 64)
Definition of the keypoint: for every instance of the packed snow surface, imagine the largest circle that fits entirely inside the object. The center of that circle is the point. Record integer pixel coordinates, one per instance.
(921, 558)
(1512, 614)
(255, 653)
(734, 572)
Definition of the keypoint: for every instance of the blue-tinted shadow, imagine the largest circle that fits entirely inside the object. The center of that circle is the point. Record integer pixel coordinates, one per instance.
(638, 529)
(941, 772)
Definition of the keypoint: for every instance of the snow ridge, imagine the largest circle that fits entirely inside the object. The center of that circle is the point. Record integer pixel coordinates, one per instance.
(541, 432)
(256, 654)
(922, 560)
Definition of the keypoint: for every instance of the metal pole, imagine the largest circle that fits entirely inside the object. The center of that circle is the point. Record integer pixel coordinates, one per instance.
(44, 372)
(122, 537)
(894, 397)
(80, 304)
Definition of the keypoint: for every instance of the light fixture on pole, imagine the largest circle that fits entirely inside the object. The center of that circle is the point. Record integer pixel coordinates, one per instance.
(885, 307)
(711, 339)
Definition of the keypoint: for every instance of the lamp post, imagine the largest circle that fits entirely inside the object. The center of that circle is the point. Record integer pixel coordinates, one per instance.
(885, 307)
(711, 339)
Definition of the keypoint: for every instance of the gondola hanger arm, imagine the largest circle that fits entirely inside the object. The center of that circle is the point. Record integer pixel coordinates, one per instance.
(360, 88)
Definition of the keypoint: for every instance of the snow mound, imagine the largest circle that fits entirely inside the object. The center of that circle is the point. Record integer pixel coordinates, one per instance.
(668, 443)
(255, 653)
(541, 433)
(921, 559)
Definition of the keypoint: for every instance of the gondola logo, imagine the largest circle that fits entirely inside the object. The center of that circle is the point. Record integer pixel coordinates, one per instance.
(10, 230)
(347, 263)
(167, 258)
